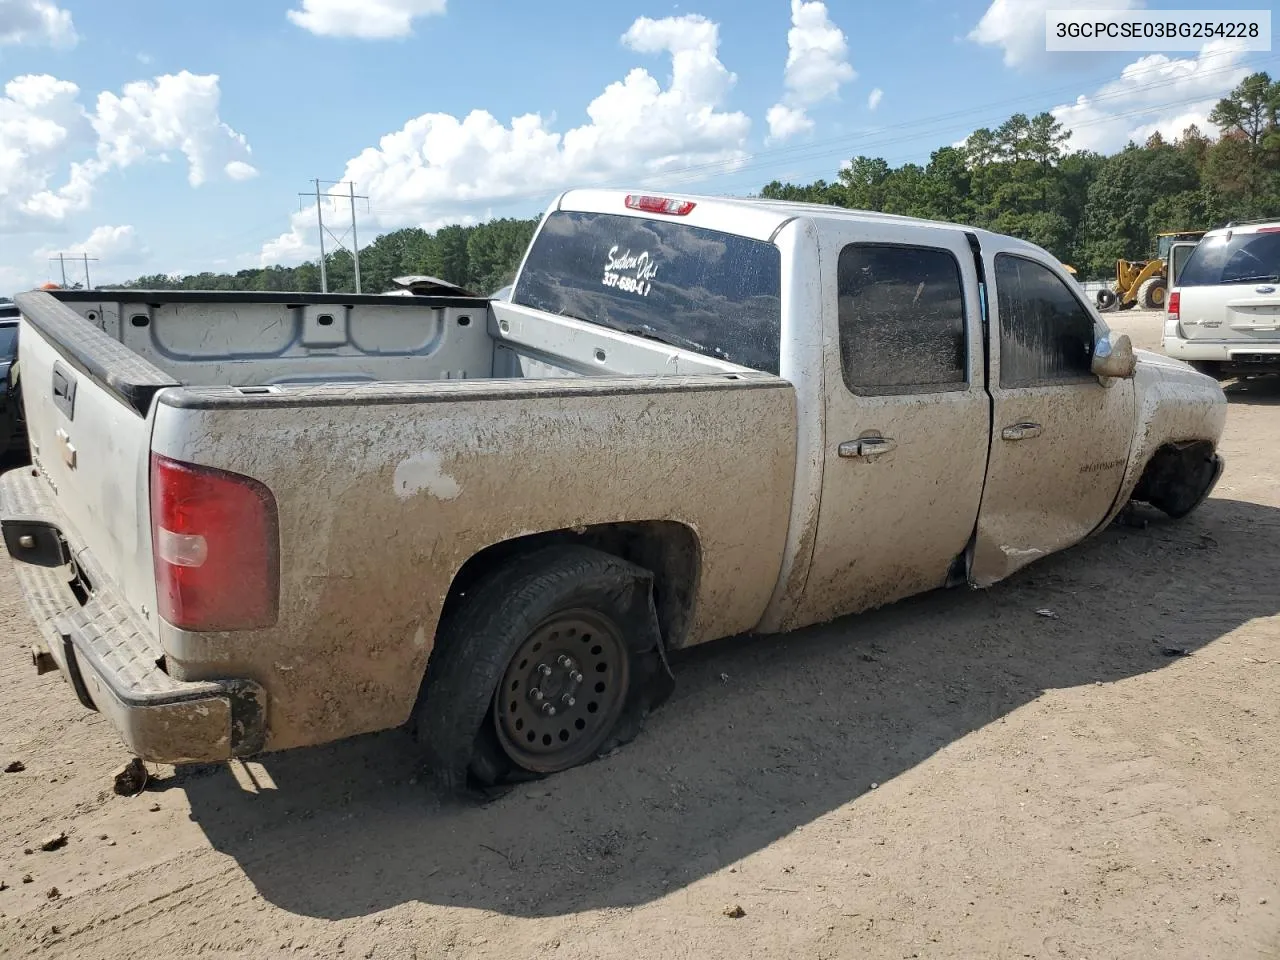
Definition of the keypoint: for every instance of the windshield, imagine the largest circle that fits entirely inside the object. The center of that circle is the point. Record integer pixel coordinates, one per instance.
(706, 291)
(1233, 258)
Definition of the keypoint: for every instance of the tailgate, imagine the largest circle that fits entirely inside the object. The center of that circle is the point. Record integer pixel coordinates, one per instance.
(88, 402)
(1244, 312)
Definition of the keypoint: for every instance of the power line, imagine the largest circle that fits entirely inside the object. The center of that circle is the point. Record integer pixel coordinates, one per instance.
(354, 250)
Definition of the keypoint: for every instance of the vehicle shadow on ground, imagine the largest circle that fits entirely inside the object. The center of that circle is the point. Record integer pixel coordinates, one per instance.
(762, 736)
(1262, 390)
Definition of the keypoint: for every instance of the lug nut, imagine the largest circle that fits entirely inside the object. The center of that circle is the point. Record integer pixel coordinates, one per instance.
(535, 695)
(568, 700)
(566, 662)
(544, 670)
(549, 710)
(576, 677)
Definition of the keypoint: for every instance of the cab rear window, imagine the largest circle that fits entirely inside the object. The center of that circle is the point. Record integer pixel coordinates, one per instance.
(1233, 258)
(702, 290)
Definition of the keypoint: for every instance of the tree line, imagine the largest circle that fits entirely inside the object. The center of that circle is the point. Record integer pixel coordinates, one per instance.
(1085, 208)
(480, 258)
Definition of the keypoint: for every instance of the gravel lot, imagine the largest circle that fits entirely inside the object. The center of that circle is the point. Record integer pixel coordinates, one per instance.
(955, 776)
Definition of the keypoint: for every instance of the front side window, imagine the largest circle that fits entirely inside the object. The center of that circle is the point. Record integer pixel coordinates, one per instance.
(901, 318)
(1046, 334)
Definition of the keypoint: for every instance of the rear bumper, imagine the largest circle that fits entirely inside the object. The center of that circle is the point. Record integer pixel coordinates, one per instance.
(1242, 355)
(106, 652)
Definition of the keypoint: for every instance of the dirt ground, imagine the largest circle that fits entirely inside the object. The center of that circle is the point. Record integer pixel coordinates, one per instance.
(956, 776)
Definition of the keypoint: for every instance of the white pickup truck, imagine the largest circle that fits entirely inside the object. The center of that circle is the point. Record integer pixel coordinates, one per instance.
(263, 521)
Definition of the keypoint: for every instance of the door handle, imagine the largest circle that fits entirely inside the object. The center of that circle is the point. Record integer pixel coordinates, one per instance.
(1022, 431)
(866, 448)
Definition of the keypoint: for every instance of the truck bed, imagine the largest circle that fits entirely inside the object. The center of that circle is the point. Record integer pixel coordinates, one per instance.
(280, 339)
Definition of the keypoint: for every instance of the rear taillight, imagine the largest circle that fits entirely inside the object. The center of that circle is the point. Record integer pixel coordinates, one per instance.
(1173, 305)
(674, 208)
(216, 539)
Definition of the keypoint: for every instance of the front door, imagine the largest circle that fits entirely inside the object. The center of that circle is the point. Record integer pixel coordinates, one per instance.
(1061, 439)
(907, 418)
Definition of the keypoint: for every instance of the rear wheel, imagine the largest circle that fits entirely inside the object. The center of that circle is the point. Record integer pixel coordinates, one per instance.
(562, 691)
(1151, 295)
(551, 661)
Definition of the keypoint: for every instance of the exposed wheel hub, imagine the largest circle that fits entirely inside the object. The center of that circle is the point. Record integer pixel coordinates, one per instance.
(562, 691)
(558, 687)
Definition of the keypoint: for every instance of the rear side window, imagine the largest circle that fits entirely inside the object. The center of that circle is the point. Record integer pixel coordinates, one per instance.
(1046, 334)
(710, 292)
(1178, 262)
(1233, 258)
(901, 317)
(8, 342)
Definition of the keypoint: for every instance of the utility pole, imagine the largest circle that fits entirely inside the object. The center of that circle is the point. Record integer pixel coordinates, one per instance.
(355, 241)
(320, 195)
(324, 273)
(61, 260)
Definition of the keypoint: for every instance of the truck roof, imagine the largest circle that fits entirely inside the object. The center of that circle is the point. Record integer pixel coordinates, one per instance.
(754, 217)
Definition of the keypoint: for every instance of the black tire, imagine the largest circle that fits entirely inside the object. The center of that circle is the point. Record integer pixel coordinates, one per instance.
(1151, 295)
(1106, 300)
(457, 720)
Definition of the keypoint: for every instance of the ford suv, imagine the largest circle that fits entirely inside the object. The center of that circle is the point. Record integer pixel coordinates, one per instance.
(1223, 316)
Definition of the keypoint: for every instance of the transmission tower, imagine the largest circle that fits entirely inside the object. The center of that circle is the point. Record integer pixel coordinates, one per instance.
(61, 260)
(321, 193)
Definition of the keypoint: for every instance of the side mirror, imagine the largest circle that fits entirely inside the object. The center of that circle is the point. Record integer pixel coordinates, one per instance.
(1113, 357)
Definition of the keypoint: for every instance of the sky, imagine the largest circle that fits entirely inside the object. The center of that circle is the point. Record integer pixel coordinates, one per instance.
(174, 136)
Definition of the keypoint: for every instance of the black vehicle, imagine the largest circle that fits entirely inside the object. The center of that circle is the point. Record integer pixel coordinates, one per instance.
(13, 426)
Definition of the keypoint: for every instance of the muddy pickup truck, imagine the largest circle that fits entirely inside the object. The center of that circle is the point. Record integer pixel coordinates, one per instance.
(262, 521)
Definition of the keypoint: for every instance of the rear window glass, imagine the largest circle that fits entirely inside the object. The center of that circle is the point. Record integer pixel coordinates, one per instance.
(710, 292)
(1235, 258)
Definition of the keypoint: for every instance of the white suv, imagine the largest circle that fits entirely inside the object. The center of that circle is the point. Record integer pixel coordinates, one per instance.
(1223, 317)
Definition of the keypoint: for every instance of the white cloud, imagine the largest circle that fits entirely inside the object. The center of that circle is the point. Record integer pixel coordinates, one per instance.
(1018, 26)
(366, 19)
(239, 170)
(173, 112)
(43, 124)
(118, 245)
(785, 122)
(817, 66)
(874, 98)
(440, 168)
(36, 22)
(1154, 93)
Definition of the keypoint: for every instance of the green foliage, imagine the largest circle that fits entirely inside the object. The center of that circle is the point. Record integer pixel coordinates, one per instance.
(1086, 209)
(480, 258)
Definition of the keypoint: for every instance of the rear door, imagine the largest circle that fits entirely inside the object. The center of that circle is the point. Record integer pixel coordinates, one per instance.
(1061, 439)
(1230, 290)
(907, 417)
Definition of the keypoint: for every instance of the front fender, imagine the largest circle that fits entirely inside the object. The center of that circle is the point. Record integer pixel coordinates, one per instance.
(1172, 404)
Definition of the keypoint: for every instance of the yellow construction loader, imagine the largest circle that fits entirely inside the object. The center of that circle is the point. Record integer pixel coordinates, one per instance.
(1144, 283)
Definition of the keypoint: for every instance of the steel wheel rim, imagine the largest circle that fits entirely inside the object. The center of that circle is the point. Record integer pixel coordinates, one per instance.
(562, 691)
